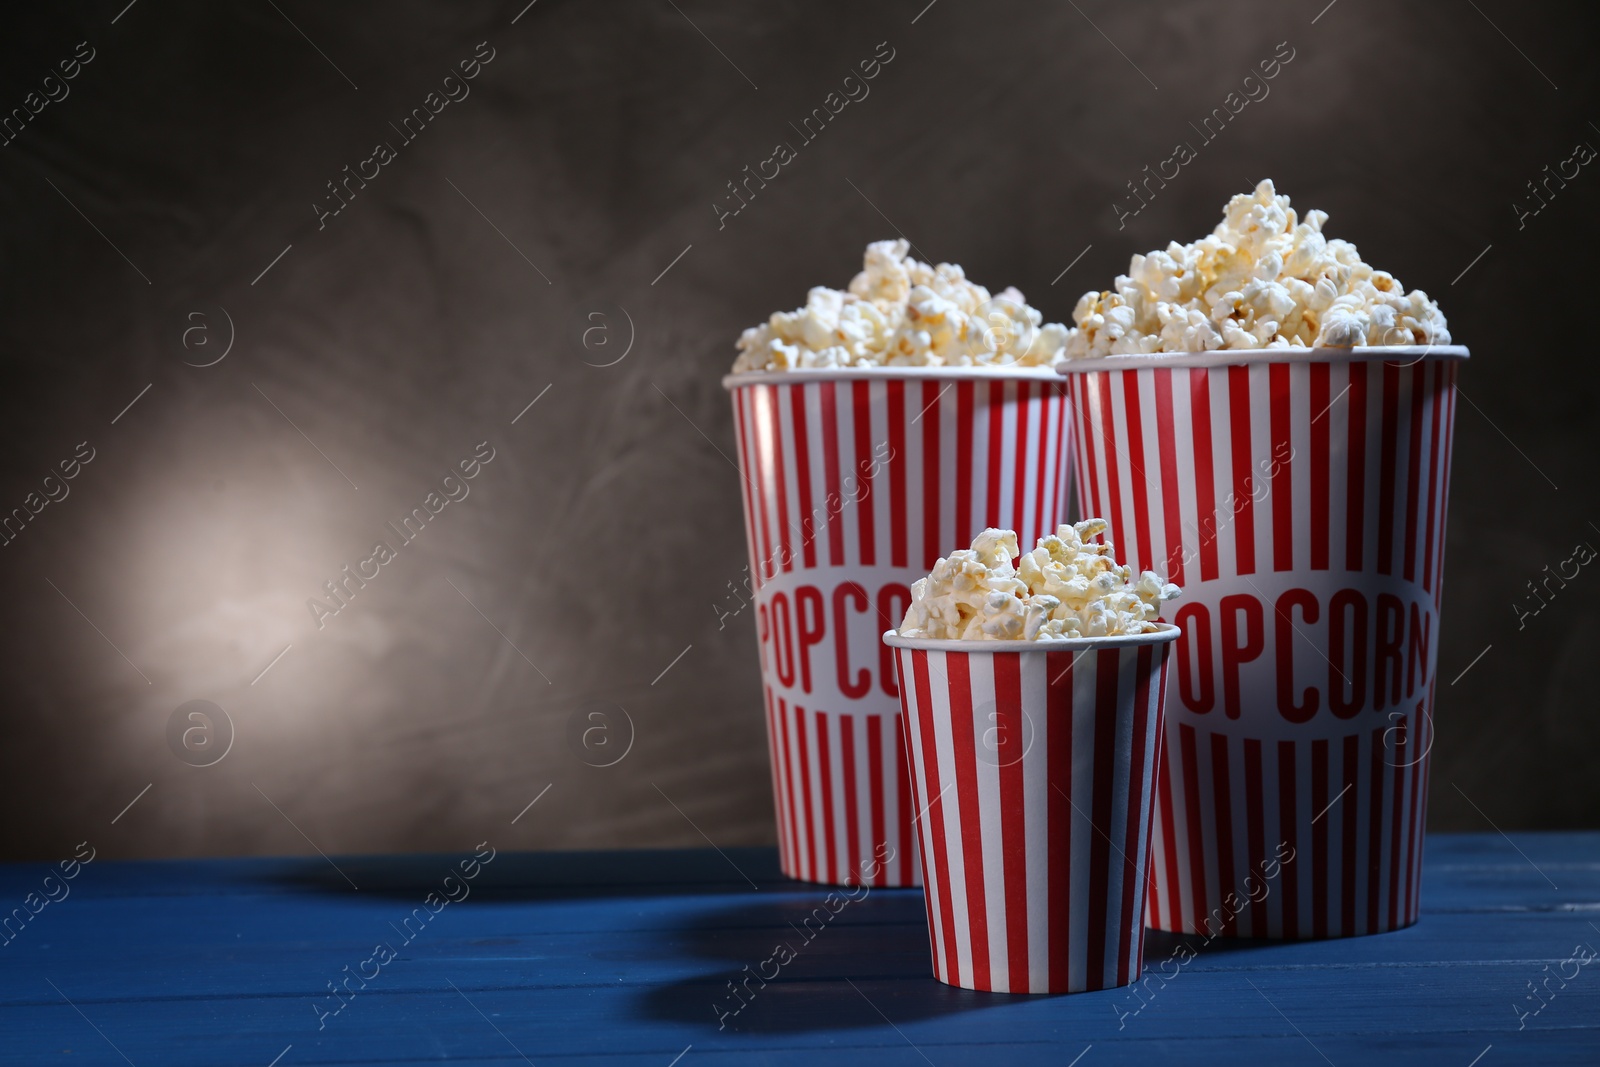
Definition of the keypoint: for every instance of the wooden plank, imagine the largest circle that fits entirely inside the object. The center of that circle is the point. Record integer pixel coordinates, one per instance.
(669, 946)
(628, 955)
(1454, 1007)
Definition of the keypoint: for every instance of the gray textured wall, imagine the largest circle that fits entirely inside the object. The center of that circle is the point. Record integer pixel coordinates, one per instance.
(391, 338)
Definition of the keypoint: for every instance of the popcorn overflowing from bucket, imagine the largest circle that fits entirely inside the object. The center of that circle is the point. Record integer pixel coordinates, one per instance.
(1263, 279)
(902, 313)
(1068, 586)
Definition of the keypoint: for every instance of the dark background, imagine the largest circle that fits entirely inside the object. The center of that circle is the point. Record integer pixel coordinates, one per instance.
(601, 538)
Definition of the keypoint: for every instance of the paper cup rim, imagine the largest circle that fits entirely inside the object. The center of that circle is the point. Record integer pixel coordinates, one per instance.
(823, 374)
(1229, 357)
(1166, 632)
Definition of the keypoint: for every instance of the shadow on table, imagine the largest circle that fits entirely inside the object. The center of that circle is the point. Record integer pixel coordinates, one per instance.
(794, 964)
(797, 964)
(785, 957)
(834, 962)
(512, 876)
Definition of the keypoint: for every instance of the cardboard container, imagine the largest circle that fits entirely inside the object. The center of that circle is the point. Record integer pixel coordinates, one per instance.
(1299, 498)
(1032, 767)
(855, 481)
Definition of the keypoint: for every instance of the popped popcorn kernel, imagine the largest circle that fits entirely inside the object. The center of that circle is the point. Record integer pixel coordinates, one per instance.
(1066, 586)
(1264, 278)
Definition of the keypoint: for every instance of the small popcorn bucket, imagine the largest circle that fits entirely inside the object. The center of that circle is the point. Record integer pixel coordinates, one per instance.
(1033, 766)
(855, 481)
(1299, 499)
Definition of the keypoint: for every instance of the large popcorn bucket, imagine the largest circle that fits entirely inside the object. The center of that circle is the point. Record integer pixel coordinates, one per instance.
(855, 482)
(1033, 767)
(1299, 499)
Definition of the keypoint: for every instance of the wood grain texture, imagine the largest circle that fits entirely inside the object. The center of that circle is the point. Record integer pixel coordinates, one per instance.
(620, 957)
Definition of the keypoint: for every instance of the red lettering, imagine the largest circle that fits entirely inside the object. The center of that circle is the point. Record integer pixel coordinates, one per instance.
(1233, 653)
(1287, 707)
(858, 687)
(1391, 615)
(808, 612)
(782, 635)
(1417, 648)
(890, 615)
(1195, 622)
(1343, 602)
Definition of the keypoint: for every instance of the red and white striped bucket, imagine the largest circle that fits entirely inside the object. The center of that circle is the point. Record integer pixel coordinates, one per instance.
(1299, 499)
(1032, 769)
(855, 482)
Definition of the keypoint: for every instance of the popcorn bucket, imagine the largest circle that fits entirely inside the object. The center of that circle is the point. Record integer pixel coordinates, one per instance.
(1032, 767)
(855, 482)
(1299, 499)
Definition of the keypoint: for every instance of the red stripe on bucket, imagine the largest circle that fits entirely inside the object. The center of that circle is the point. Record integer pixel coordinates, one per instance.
(1105, 729)
(1433, 479)
(1256, 849)
(1320, 502)
(1414, 468)
(865, 504)
(1288, 822)
(1195, 839)
(1388, 432)
(971, 827)
(1280, 468)
(852, 825)
(1136, 819)
(1319, 838)
(1356, 453)
(897, 472)
(1013, 811)
(1348, 819)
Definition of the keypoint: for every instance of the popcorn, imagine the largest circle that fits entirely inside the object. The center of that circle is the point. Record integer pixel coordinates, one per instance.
(1263, 279)
(901, 313)
(1068, 586)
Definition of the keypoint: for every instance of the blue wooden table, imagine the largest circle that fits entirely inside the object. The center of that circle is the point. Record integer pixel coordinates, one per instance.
(627, 958)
